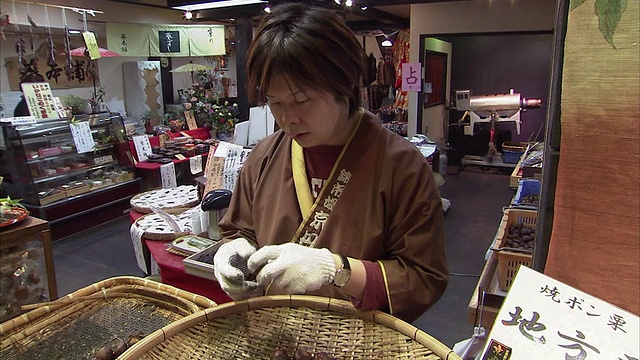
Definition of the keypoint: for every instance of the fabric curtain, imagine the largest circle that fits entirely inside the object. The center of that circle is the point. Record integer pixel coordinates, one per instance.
(595, 241)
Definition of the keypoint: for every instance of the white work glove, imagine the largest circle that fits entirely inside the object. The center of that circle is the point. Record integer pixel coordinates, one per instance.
(229, 264)
(292, 269)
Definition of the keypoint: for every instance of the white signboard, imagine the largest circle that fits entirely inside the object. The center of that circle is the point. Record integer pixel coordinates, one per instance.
(195, 163)
(411, 76)
(81, 132)
(168, 176)
(143, 147)
(236, 157)
(542, 318)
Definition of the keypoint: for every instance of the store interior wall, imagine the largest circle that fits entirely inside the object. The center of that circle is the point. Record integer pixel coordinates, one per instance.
(465, 17)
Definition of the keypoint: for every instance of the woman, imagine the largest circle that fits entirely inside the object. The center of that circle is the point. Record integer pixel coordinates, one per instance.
(333, 203)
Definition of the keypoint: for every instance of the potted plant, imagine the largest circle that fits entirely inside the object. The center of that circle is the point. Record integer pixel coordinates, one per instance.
(76, 104)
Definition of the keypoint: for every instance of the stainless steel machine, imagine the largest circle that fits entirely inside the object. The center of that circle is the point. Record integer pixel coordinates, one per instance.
(492, 109)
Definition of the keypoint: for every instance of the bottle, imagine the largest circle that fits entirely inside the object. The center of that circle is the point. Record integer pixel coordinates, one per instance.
(442, 162)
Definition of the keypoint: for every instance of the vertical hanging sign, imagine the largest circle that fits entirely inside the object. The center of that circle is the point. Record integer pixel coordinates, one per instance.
(411, 77)
(92, 44)
(168, 176)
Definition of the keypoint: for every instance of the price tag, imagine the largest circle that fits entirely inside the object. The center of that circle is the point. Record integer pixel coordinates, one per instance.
(195, 163)
(180, 157)
(100, 160)
(168, 176)
(185, 134)
(136, 238)
(82, 137)
(163, 140)
(143, 147)
(92, 44)
(191, 121)
(19, 120)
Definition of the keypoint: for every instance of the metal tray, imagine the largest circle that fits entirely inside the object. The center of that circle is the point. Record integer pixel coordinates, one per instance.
(198, 265)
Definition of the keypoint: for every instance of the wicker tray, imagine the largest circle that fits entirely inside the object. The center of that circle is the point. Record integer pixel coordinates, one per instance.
(255, 328)
(184, 196)
(76, 326)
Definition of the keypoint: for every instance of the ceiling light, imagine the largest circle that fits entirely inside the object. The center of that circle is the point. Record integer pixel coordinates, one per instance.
(363, 8)
(188, 15)
(337, 2)
(218, 4)
(74, 32)
(267, 9)
(387, 43)
(348, 3)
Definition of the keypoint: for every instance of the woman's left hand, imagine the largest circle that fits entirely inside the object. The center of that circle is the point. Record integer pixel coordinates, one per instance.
(292, 269)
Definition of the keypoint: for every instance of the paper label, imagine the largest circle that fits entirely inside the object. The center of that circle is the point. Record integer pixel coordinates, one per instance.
(143, 147)
(138, 249)
(236, 157)
(210, 156)
(103, 159)
(82, 137)
(180, 157)
(215, 174)
(168, 176)
(163, 140)
(542, 318)
(195, 163)
(185, 134)
(91, 44)
(19, 120)
(191, 121)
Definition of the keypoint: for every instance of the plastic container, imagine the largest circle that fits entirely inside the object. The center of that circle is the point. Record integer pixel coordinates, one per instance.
(442, 163)
(527, 195)
(512, 152)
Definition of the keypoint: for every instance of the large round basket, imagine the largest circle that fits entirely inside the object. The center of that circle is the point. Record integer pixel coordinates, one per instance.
(255, 328)
(79, 324)
(183, 196)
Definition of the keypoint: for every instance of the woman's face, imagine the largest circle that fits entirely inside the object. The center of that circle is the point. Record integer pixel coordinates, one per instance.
(310, 117)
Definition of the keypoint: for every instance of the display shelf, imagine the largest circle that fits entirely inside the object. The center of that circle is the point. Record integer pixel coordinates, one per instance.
(27, 266)
(41, 166)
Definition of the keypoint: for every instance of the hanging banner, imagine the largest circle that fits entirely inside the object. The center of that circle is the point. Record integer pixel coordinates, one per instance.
(165, 40)
(128, 39)
(168, 40)
(207, 41)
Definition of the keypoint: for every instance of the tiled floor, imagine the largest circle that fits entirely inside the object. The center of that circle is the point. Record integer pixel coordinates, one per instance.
(477, 198)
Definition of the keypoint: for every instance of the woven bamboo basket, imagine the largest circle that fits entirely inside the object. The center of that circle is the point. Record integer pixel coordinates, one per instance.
(255, 328)
(79, 324)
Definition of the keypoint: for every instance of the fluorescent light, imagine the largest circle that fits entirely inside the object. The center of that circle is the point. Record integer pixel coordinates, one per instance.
(219, 4)
(74, 32)
(387, 43)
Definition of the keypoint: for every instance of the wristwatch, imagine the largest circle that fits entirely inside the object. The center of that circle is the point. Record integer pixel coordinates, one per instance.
(342, 276)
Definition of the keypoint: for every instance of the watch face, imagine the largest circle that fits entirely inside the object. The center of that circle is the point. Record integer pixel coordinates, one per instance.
(342, 277)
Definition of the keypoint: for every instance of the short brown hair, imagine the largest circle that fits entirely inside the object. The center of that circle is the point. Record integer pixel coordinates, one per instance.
(312, 47)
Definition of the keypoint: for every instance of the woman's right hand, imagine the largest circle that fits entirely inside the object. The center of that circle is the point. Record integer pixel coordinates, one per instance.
(230, 269)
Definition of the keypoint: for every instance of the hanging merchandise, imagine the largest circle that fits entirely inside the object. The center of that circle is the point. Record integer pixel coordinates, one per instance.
(68, 68)
(34, 56)
(51, 50)
(20, 47)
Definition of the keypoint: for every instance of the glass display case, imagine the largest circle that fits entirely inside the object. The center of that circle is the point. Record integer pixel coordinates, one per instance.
(41, 163)
(72, 172)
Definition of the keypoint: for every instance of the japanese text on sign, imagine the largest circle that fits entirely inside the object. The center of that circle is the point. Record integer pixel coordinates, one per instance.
(411, 77)
(542, 318)
(82, 138)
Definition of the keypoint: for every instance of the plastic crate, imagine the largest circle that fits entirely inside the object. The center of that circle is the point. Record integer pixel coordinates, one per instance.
(509, 261)
(526, 187)
(512, 152)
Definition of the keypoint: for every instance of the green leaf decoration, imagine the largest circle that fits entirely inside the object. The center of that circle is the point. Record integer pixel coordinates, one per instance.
(609, 14)
(575, 3)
